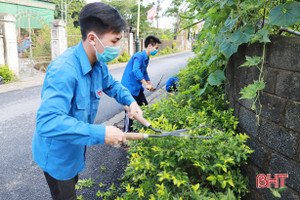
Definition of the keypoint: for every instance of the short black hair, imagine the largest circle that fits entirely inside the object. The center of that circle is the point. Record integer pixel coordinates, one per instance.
(101, 18)
(151, 40)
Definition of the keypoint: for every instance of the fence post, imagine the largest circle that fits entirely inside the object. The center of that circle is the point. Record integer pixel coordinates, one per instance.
(9, 31)
(58, 38)
(131, 50)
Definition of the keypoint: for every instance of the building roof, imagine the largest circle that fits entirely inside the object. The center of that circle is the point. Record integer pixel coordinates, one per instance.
(29, 13)
(32, 3)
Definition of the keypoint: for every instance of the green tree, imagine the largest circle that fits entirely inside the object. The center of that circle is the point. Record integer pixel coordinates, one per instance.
(176, 8)
(73, 9)
(128, 9)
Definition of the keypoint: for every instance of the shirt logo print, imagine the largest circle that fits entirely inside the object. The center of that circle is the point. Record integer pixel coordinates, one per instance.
(99, 92)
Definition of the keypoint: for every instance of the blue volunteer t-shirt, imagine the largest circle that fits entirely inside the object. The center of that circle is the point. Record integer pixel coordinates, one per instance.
(135, 71)
(172, 83)
(70, 98)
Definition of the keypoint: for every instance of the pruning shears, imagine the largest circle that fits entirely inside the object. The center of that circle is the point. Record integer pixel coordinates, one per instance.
(177, 133)
(159, 82)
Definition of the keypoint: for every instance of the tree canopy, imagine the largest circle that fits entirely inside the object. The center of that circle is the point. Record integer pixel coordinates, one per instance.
(128, 9)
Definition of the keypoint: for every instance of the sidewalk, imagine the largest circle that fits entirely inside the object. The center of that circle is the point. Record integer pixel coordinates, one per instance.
(39, 79)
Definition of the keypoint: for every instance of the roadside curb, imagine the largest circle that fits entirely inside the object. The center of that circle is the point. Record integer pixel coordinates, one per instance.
(23, 83)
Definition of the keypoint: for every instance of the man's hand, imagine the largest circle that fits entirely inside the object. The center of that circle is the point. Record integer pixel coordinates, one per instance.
(134, 110)
(150, 87)
(114, 135)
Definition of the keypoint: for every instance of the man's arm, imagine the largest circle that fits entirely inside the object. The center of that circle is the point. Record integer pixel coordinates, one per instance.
(136, 70)
(122, 95)
(115, 89)
(53, 120)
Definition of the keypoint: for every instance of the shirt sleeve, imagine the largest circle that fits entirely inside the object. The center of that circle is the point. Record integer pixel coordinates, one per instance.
(115, 89)
(146, 76)
(136, 69)
(53, 120)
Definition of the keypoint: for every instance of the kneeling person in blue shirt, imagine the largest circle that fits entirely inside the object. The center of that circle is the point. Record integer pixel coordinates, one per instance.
(172, 84)
(71, 92)
(135, 75)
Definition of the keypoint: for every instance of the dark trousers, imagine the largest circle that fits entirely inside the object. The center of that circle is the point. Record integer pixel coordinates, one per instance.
(62, 190)
(141, 100)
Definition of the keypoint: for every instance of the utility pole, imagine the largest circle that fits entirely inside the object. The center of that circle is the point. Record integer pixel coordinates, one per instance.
(61, 11)
(29, 32)
(157, 15)
(137, 39)
(64, 11)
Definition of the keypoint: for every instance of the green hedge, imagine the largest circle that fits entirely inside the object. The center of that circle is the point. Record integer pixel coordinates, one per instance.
(183, 168)
(6, 74)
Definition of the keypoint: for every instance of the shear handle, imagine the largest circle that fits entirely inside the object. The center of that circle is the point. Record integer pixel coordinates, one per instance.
(136, 136)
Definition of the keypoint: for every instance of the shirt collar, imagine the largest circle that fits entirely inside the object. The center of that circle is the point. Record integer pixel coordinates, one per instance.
(145, 55)
(83, 59)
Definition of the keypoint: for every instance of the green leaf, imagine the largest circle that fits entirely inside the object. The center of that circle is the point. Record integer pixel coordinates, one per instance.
(211, 178)
(228, 48)
(239, 38)
(285, 15)
(212, 59)
(230, 182)
(250, 91)
(216, 78)
(251, 61)
(195, 187)
(262, 35)
(260, 85)
(275, 193)
(209, 89)
(201, 91)
(252, 4)
(230, 2)
(249, 29)
(229, 23)
(219, 39)
(224, 184)
(242, 35)
(222, 3)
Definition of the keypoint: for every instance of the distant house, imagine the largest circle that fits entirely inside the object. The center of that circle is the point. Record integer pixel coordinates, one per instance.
(29, 13)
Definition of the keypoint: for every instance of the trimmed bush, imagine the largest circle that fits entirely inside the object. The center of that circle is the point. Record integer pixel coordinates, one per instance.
(6, 74)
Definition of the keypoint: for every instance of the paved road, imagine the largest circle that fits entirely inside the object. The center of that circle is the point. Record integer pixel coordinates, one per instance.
(20, 177)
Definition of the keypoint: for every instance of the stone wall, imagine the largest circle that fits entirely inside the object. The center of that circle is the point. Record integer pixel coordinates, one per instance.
(124, 46)
(169, 43)
(276, 141)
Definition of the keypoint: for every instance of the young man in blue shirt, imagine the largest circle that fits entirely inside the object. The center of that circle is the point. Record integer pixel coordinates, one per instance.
(72, 89)
(136, 75)
(172, 84)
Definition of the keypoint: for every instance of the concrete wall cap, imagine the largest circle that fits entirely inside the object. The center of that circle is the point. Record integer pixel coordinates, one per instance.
(58, 22)
(7, 17)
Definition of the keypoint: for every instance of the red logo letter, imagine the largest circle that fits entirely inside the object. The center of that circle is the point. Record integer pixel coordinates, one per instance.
(261, 181)
(282, 177)
(275, 180)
